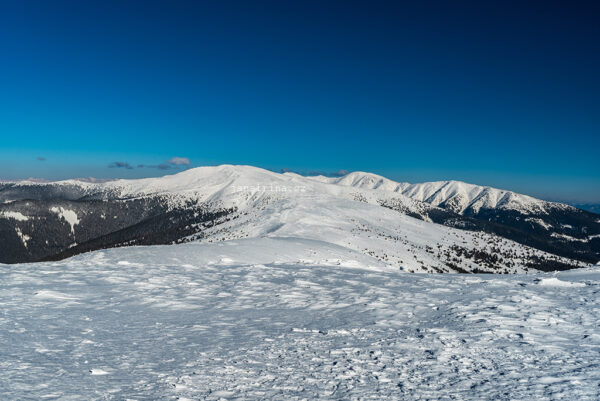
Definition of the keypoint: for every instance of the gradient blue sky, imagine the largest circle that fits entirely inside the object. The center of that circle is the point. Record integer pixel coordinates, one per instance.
(504, 94)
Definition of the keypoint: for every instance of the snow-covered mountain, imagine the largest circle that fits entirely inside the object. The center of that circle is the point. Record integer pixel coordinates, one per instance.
(555, 227)
(432, 227)
(459, 197)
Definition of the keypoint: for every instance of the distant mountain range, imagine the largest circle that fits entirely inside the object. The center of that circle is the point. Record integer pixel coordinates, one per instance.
(445, 226)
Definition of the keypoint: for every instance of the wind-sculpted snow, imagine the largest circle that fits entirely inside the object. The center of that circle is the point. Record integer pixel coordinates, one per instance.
(255, 319)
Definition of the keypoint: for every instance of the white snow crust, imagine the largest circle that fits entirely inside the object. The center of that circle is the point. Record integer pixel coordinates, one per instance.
(68, 215)
(14, 215)
(255, 319)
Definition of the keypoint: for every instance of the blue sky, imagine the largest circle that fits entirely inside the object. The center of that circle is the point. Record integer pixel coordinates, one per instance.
(506, 94)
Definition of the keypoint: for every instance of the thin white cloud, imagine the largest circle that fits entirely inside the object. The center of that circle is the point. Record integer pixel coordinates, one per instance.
(173, 163)
(179, 161)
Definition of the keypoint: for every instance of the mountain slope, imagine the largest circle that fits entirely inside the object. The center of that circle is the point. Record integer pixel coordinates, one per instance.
(51, 221)
(457, 196)
(554, 227)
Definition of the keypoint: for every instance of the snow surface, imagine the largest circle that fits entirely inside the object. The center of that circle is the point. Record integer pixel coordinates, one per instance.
(254, 319)
(14, 215)
(569, 238)
(539, 222)
(554, 282)
(68, 215)
(24, 237)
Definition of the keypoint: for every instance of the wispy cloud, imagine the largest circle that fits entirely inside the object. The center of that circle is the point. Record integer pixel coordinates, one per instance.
(35, 179)
(161, 166)
(94, 179)
(339, 173)
(120, 165)
(174, 162)
(179, 161)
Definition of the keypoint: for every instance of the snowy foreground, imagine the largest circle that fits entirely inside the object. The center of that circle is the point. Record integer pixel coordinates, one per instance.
(193, 322)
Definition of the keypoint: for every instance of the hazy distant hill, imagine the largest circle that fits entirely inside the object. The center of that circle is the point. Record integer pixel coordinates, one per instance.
(590, 207)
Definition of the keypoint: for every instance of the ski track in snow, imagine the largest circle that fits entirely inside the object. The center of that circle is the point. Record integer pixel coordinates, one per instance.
(192, 322)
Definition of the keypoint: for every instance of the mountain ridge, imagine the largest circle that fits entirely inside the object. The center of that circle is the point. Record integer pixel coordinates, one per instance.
(362, 211)
(432, 192)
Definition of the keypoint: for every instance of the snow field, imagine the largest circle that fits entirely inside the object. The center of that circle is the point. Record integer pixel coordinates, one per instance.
(258, 319)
